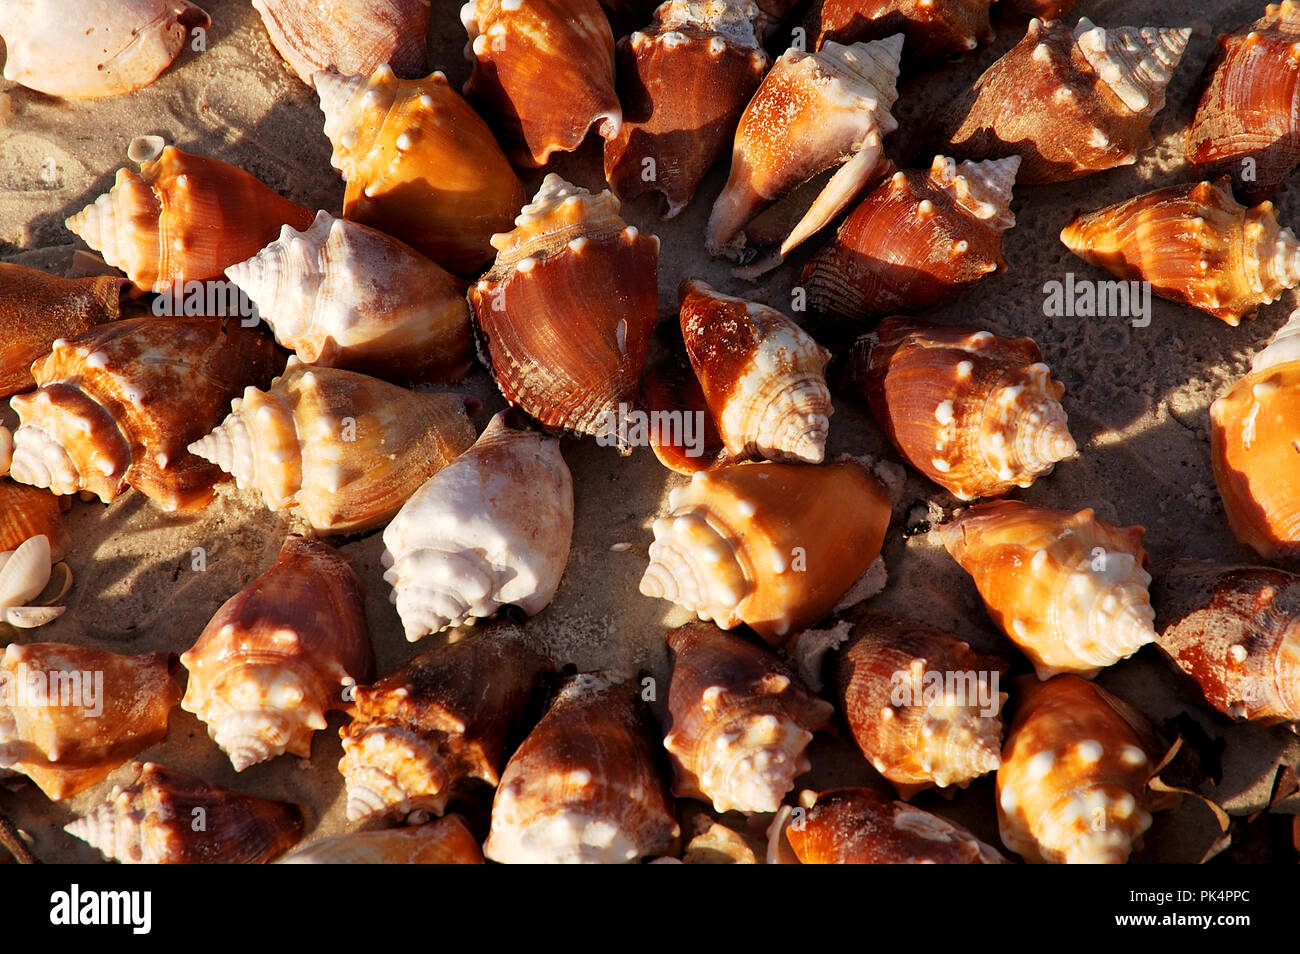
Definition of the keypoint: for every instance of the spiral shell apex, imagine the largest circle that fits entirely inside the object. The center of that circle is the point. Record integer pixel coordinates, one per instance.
(352, 37)
(932, 28)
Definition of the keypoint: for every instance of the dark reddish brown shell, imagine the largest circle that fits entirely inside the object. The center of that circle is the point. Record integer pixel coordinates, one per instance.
(670, 385)
(932, 28)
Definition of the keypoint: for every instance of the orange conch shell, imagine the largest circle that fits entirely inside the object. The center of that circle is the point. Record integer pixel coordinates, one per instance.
(27, 512)
(352, 37)
(931, 28)
(443, 842)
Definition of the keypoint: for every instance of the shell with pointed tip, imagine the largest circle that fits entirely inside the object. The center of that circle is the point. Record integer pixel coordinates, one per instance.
(491, 528)
(117, 406)
(923, 708)
(344, 295)
(1068, 589)
(352, 37)
(739, 721)
(422, 734)
(931, 28)
(976, 413)
(444, 842)
(1195, 245)
(347, 450)
(812, 112)
(27, 512)
(86, 49)
(1068, 101)
(770, 545)
(155, 820)
(71, 715)
(419, 164)
(683, 82)
(918, 240)
(279, 654)
(183, 218)
(564, 317)
(1072, 787)
(584, 786)
(763, 376)
(512, 44)
(1247, 124)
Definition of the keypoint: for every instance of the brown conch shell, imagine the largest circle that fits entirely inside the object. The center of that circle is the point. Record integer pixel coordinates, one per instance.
(543, 73)
(1247, 124)
(1068, 101)
(353, 37)
(1072, 788)
(918, 240)
(117, 406)
(585, 785)
(164, 817)
(70, 715)
(1195, 245)
(976, 413)
(770, 545)
(931, 28)
(739, 721)
(763, 377)
(344, 295)
(419, 164)
(1068, 589)
(671, 392)
(182, 217)
(85, 49)
(279, 654)
(443, 842)
(347, 450)
(683, 82)
(564, 316)
(421, 734)
(27, 512)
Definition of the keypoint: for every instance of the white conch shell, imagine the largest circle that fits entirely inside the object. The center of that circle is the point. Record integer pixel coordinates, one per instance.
(1135, 63)
(24, 574)
(490, 529)
(1282, 348)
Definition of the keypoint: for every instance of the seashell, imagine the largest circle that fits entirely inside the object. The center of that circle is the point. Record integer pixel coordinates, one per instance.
(1026, 9)
(1247, 124)
(671, 392)
(6, 449)
(86, 49)
(1068, 589)
(1236, 631)
(156, 820)
(626, 15)
(812, 112)
(862, 826)
(923, 708)
(347, 296)
(1072, 787)
(182, 217)
(421, 734)
(25, 574)
(354, 38)
(27, 512)
(444, 842)
(762, 376)
(683, 82)
(569, 42)
(37, 309)
(564, 317)
(491, 528)
(739, 721)
(918, 240)
(420, 165)
(584, 786)
(770, 545)
(1195, 245)
(976, 413)
(1068, 101)
(70, 715)
(117, 406)
(930, 28)
(279, 654)
(345, 449)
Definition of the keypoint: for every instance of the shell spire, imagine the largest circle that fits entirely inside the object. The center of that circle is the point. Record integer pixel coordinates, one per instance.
(1135, 63)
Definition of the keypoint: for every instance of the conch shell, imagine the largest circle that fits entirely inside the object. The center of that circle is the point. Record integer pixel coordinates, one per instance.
(118, 405)
(491, 528)
(443, 842)
(70, 715)
(931, 28)
(564, 316)
(352, 37)
(1067, 588)
(182, 217)
(25, 573)
(345, 449)
(27, 512)
(347, 296)
(543, 72)
(1195, 245)
(279, 654)
(739, 721)
(419, 164)
(976, 413)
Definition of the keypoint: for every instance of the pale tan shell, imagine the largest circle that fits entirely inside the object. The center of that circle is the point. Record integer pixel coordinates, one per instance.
(443, 842)
(25, 573)
(353, 36)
